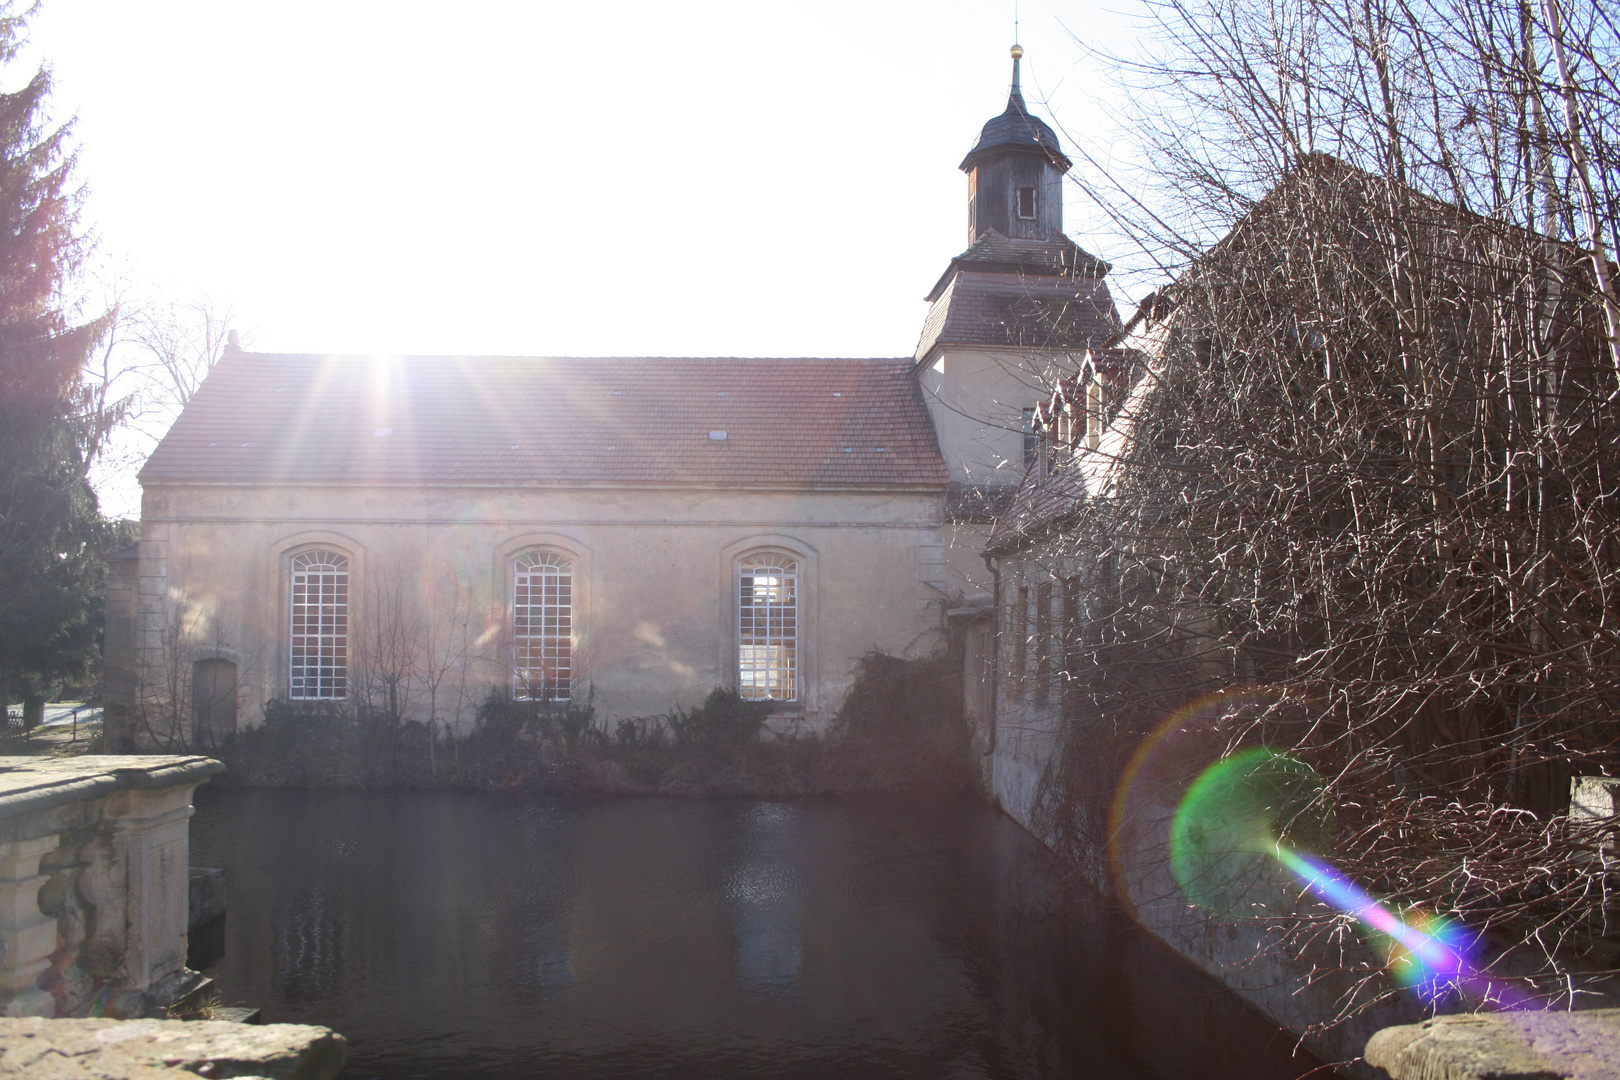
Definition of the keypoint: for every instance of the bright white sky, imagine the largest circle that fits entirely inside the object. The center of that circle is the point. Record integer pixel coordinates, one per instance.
(637, 177)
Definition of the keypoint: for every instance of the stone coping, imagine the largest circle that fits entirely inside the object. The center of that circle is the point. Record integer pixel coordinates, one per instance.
(29, 784)
(99, 1049)
(1525, 1045)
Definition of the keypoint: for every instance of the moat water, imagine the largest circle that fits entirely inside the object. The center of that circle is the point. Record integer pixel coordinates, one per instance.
(485, 935)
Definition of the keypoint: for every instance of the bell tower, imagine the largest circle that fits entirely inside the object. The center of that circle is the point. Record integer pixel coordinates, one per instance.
(1010, 316)
(1021, 285)
(1015, 174)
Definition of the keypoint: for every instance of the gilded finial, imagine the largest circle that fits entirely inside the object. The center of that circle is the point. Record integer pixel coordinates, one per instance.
(1017, 52)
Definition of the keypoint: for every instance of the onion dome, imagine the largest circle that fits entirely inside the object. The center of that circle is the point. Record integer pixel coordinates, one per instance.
(1016, 130)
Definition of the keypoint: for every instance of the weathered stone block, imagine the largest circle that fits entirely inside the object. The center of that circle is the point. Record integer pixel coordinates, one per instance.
(1502, 1046)
(207, 896)
(1594, 800)
(166, 1050)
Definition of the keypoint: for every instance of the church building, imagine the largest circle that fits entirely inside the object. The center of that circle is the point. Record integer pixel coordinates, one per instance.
(632, 531)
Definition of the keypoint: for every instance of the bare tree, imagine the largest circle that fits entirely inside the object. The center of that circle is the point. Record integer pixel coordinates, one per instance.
(1364, 453)
(388, 654)
(178, 343)
(414, 647)
(446, 650)
(163, 687)
(155, 355)
(188, 678)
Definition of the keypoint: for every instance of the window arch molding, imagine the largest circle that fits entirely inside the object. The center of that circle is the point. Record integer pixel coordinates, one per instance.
(807, 570)
(538, 547)
(283, 556)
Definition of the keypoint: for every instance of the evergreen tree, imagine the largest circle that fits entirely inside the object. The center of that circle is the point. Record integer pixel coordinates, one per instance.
(50, 573)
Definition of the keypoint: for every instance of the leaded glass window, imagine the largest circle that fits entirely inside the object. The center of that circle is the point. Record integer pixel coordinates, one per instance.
(543, 626)
(768, 628)
(319, 656)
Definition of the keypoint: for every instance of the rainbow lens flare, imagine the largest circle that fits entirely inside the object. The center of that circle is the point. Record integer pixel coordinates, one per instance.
(1242, 825)
(1425, 953)
(1232, 849)
(1230, 824)
(1179, 748)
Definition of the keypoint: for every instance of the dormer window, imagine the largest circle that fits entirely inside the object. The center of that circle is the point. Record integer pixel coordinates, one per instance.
(1026, 203)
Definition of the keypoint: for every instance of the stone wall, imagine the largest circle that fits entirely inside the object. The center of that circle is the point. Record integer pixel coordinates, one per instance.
(654, 581)
(1242, 955)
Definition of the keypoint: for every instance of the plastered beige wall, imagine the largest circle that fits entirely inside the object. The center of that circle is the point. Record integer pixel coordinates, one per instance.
(654, 580)
(976, 397)
(968, 579)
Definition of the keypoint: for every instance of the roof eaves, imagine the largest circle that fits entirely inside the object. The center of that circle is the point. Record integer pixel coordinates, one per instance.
(843, 486)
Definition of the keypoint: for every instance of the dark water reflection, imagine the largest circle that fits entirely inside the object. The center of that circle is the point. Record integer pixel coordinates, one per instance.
(453, 934)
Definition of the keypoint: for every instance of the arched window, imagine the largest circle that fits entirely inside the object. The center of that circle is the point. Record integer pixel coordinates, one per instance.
(319, 668)
(768, 627)
(542, 626)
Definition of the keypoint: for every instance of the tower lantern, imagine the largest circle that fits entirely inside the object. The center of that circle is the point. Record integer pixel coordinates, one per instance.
(1015, 173)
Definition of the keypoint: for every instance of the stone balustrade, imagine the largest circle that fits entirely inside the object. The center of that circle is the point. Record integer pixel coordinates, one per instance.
(33, 1049)
(93, 883)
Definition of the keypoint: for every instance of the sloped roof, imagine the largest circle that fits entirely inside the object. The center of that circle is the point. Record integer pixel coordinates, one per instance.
(545, 421)
(1015, 129)
(995, 253)
(1015, 310)
(1039, 503)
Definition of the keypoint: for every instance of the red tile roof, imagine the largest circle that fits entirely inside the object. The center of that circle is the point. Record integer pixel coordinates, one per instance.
(565, 421)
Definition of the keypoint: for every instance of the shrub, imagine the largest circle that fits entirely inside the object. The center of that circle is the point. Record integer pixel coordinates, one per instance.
(639, 731)
(563, 723)
(314, 743)
(902, 726)
(724, 719)
(901, 731)
(892, 695)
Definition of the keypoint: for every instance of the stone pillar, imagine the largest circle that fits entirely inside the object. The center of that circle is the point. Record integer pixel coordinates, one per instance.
(27, 935)
(149, 854)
